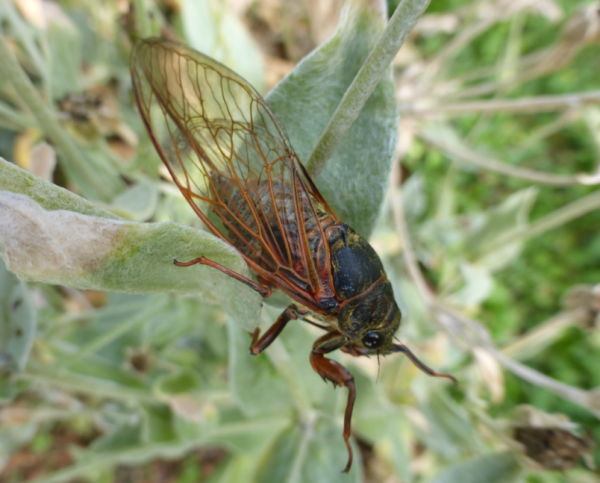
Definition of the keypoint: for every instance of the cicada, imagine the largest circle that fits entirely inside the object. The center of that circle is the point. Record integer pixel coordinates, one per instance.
(231, 159)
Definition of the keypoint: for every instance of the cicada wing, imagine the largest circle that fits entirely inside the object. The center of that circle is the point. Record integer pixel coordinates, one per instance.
(228, 154)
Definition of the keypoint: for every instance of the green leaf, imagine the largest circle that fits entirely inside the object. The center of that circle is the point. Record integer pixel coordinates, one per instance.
(185, 316)
(254, 380)
(478, 285)
(356, 177)
(8, 391)
(157, 425)
(491, 468)
(247, 435)
(450, 431)
(372, 411)
(192, 412)
(198, 420)
(396, 447)
(64, 48)
(104, 174)
(379, 422)
(327, 456)
(96, 180)
(93, 377)
(496, 225)
(177, 383)
(17, 322)
(275, 466)
(290, 354)
(314, 451)
(138, 203)
(101, 253)
(25, 35)
(104, 374)
(123, 436)
(238, 468)
(212, 30)
(48, 195)
(14, 435)
(414, 198)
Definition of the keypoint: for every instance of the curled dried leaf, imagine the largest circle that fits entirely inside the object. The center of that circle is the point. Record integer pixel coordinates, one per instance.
(583, 27)
(549, 440)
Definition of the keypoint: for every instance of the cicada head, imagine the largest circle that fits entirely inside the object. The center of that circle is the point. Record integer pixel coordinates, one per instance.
(371, 320)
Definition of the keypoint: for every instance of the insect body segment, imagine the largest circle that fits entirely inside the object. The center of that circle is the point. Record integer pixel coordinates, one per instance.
(231, 159)
(293, 235)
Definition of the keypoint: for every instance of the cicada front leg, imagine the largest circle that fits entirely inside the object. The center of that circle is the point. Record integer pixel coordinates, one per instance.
(338, 375)
(264, 290)
(259, 344)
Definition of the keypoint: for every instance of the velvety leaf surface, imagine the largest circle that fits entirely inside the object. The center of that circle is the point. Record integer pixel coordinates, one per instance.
(17, 321)
(356, 177)
(491, 468)
(212, 30)
(100, 252)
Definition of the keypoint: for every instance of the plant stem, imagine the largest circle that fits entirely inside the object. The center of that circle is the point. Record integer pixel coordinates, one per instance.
(116, 332)
(464, 37)
(470, 334)
(402, 228)
(573, 394)
(463, 153)
(374, 68)
(523, 105)
(555, 219)
(545, 334)
(280, 358)
(19, 120)
(27, 41)
(141, 19)
(308, 434)
(86, 385)
(70, 154)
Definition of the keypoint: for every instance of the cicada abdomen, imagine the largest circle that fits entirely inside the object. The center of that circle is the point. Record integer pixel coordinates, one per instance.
(288, 218)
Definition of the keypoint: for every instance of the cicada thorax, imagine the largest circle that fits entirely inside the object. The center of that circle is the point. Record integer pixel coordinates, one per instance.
(355, 264)
(365, 294)
(274, 224)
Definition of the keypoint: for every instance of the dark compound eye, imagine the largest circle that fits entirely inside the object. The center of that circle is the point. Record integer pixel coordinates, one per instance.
(372, 340)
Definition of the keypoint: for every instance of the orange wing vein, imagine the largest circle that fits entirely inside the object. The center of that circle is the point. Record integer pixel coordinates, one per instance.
(232, 161)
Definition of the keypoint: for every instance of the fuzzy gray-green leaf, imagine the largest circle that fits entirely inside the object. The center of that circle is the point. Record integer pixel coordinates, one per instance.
(356, 177)
(491, 468)
(256, 384)
(17, 321)
(86, 252)
(48, 195)
(64, 47)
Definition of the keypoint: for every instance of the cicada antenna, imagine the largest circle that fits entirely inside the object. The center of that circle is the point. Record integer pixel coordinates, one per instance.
(413, 358)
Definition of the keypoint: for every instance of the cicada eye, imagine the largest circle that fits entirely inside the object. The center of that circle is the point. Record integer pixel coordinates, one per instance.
(372, 340)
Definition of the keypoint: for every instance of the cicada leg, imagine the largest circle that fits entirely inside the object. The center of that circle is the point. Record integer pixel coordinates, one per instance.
(338, 375)
(259, 344)
(264, 290)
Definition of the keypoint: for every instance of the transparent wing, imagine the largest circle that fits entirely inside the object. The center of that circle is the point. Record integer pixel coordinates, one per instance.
(231, 159)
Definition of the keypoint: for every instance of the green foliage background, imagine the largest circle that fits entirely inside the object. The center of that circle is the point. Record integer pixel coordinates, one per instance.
(135, 380)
